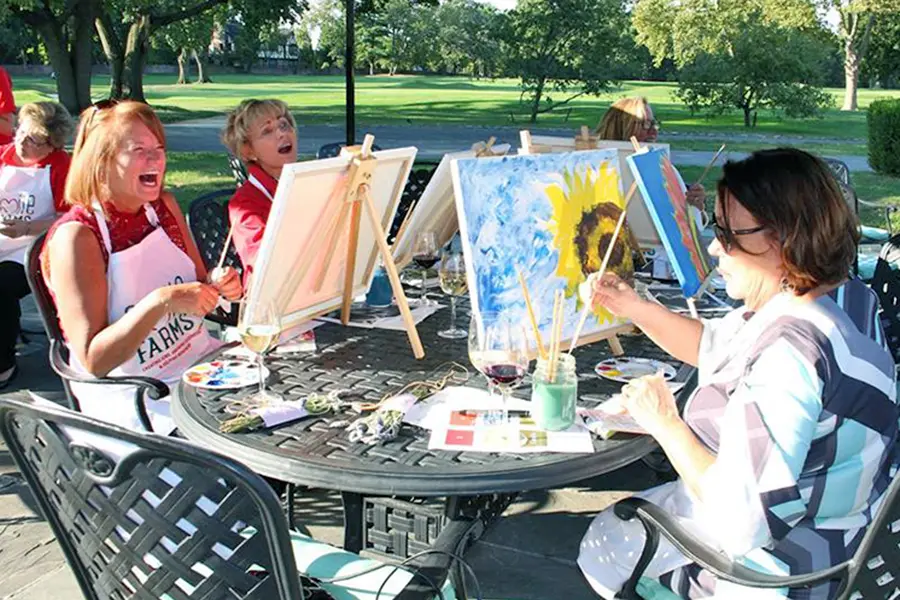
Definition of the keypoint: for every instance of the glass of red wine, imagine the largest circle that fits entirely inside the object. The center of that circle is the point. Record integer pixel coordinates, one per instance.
(425, 255)
(498, 348)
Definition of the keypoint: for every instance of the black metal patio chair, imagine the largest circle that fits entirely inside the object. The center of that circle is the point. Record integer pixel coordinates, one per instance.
(886, 285)
(333, 149)
(208, 219)
(144, 387)
(145, 516)
(238, 170)
(866, 575)
(412, 191)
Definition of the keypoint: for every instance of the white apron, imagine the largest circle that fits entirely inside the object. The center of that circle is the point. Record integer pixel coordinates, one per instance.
(25, 195)
(176, 342)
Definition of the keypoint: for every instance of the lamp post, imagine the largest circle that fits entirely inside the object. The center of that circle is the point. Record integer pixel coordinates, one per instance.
(350, 85)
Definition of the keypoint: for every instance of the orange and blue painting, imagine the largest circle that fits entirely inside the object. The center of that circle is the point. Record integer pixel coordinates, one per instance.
(664, 192)
(550, 217)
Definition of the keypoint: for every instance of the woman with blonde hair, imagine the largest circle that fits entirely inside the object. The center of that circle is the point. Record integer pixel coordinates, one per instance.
(130, 287)
(33, 173)
(633, 117)
(262, 133)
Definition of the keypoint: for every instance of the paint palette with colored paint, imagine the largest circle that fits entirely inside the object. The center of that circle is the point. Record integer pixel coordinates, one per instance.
(626, 368)
(223, 375)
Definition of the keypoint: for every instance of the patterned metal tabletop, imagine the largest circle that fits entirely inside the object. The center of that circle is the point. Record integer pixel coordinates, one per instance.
(372, 363)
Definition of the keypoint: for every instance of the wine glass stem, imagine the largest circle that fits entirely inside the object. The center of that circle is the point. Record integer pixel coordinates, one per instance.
(262, 374)
(504, 392)
(453, 312)
(424, 274)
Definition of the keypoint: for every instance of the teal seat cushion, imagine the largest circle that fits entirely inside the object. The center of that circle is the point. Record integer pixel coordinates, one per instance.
(873, 234)
(652, 589)
(319, 561)
(866, 263)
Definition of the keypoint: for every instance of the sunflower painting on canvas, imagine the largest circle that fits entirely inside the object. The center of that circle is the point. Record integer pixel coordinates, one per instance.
(551, 217)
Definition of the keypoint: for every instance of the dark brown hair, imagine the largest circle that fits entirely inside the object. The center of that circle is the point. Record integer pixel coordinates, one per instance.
(795, 196)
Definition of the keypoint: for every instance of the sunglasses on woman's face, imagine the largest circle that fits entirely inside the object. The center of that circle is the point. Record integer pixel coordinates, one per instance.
(649, 124)
(726, 236)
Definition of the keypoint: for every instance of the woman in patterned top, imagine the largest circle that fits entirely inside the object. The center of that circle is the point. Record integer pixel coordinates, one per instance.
(130, 287)
(790, 439)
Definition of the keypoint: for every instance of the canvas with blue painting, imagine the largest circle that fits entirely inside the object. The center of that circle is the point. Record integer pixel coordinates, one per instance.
(664, 192)
(550, 217)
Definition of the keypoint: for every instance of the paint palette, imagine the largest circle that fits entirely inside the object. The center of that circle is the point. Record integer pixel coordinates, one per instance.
(625, 368)
(223, 375)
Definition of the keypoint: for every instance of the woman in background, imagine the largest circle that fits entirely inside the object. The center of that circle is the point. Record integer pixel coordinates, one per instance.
(33, 172)
(262, 133)
(633, 117)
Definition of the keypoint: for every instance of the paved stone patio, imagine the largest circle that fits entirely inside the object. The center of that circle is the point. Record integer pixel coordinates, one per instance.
(529, 555)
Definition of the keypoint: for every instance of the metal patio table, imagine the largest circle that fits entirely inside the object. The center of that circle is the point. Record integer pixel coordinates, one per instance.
(399, 497)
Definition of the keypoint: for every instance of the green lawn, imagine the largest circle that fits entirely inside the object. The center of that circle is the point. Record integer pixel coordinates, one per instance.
(191, 174)
(446, 100)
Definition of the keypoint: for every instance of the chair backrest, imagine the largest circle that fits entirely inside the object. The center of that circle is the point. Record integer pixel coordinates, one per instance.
(840, 170)
(47, 308)
(887, 287)
(333, 149)
(208, 220)
(879, 552)
(237, 169)
(412, 191)
(150, 514)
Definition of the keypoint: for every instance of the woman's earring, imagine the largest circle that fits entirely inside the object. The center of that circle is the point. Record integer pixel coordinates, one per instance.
(786, 286)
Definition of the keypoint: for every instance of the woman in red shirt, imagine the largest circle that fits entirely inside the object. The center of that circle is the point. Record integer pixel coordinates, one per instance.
(7, 108)
(130, 287)
(33, 173)
(262, 133)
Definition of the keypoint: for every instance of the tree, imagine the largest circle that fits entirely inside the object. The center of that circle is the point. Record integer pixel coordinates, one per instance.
(744, 54)
(882, 61)
(126, 26)
(857, 18)
(469, 37)
(565, 46)
(66, 29)
(190, 38)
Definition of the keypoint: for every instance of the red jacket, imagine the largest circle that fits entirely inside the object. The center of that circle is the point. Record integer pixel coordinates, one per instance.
(248, 211)
(7, 102)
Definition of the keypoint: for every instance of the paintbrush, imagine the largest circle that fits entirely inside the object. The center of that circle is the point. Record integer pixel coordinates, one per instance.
(710, 165)
(534, 323)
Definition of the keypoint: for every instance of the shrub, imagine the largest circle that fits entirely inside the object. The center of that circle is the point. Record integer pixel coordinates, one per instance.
(884, 136)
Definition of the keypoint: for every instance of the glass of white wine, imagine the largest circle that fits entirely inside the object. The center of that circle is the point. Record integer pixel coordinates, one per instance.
(259, 325)
(452, 274)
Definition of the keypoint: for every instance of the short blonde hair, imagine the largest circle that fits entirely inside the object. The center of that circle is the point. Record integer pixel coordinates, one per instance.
(236, 133)
(623, 119)
(101, 132)
(50, 120)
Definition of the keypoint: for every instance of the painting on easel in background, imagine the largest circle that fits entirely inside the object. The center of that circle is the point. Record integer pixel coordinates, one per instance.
(665, 194)
(550, 217)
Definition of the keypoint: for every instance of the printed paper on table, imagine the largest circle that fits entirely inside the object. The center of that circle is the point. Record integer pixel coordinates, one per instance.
(308, 199)
(550, 217)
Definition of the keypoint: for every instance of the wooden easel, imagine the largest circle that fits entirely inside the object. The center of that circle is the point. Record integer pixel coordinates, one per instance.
(359, 178)
(584, 140)
(482, 149)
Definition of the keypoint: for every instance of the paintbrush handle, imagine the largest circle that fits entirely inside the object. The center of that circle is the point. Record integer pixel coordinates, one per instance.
(710, 165)
(225, 248)
(532, 318)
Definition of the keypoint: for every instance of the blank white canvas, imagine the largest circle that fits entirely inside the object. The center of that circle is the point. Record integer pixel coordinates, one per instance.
(307, 200)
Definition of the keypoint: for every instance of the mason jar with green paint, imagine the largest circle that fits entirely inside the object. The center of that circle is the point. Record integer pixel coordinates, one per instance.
(553, 402)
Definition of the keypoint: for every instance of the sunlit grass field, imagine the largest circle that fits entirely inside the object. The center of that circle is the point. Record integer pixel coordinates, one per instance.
(437, 101)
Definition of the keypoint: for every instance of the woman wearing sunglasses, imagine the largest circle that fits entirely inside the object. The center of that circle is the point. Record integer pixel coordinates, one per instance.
(790, 437)
(129, 285)
(633, 117)
(33, 173)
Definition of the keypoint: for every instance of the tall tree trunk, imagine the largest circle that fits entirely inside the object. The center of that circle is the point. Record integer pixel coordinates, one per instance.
(115, 54)
(747, 116)
(855, 44)
(67, 54)
(135, 55)
(182, 61)
(82, 52)
(536, 100)
(200, 59)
